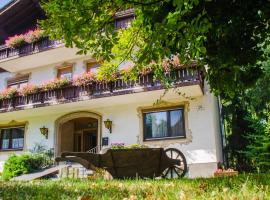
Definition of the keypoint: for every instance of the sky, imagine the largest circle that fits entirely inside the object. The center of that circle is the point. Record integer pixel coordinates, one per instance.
(3, 3)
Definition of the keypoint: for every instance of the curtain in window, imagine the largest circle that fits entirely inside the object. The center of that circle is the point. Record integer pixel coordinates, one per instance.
(5, 139)
(17, 138)
(177, 123)
(156, 125)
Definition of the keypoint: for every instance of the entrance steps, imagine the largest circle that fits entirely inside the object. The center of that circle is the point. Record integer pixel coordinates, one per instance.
(73, 170)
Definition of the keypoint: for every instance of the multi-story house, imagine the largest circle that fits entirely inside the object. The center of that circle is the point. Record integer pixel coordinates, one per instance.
(85, 117)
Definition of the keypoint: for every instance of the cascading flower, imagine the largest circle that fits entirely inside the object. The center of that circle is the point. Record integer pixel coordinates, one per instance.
(15, 41)
(34, 35)
(28, 89)
(8, 93)
(166, 65)
(84, 79)
(148, 68)
(55, 84)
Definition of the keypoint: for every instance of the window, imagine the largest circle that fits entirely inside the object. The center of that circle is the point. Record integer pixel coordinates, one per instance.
(124, 18)
(65, 72)
(164, 124)
(12, 138)
(18, 81)
(92, 67)
(122, 23)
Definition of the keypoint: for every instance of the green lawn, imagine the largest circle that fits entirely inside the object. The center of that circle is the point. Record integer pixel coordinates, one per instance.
(253, 187)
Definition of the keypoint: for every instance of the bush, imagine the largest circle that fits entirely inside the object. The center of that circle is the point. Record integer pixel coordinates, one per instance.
(258, 149)
(22, 164)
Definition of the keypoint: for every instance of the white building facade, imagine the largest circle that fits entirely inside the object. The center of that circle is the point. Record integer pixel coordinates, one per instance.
(187, 118)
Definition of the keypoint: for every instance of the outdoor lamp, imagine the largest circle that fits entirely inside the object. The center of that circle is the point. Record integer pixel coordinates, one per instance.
(108, 125)
(44, 131)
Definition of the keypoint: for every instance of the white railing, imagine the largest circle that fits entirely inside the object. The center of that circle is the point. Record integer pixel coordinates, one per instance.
(95, 150)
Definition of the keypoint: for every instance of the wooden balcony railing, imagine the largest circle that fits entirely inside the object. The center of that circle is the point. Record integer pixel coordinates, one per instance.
(28, 49)
(182, 77)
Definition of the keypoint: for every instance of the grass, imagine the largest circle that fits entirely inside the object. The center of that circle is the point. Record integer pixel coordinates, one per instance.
(249, 186)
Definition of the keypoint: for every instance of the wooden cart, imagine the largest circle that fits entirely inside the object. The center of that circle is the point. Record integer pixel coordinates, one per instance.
(131, 163)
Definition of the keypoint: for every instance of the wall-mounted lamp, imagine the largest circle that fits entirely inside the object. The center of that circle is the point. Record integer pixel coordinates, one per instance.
(108, 125)
(44, 131)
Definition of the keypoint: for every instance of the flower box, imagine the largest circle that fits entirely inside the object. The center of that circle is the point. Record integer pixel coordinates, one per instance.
(222, 173)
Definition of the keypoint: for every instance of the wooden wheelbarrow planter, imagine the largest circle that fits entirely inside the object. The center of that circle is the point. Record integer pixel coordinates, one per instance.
(132, 163)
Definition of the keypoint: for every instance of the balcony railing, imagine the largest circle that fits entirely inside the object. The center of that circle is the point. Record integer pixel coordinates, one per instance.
(28, 49)
(182, 77)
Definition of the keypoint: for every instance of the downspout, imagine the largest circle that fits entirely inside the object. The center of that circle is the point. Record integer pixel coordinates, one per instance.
(222, 130)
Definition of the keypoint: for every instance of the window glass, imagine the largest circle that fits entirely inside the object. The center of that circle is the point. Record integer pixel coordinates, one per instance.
(18, 85)
(177, 123)
(93, 67)
(65, 72)
(5, 139)
(122, 23)
(12, 138)
(156, 125)
(164, 124)
(17, 138)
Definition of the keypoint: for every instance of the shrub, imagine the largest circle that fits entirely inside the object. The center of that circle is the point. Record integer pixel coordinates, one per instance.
(258, 149)
(15, 166)
(22, 164)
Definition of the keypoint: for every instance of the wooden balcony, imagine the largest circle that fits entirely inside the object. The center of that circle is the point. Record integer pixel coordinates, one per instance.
(28, 49)
(68, 94)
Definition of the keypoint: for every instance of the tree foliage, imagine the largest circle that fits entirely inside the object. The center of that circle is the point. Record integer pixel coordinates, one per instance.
(222, 34)
(247, 122)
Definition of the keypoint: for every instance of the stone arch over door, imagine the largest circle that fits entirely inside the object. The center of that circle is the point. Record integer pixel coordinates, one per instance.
(61, 120)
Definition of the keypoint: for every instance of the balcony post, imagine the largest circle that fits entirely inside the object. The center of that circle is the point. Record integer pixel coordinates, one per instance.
(111, 84)
(7, 52)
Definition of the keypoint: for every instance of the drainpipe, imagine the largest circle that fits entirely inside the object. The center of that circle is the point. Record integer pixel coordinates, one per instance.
(222, 131)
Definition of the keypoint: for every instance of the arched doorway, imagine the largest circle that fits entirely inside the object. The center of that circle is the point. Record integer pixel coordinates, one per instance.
(80, 131)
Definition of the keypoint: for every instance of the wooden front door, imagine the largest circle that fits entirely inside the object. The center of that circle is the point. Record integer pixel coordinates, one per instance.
(89, 140)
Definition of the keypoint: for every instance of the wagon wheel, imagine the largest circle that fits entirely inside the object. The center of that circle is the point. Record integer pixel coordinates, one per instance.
(175, 171)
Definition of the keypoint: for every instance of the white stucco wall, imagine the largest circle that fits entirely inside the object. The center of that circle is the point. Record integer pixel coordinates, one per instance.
(203, 151)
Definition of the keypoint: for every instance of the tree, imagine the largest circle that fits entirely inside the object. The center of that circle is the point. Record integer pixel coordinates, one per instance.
(222, 34)
(246, 117)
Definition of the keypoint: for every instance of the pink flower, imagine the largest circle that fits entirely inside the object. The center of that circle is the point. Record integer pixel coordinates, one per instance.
(15, 41)
(34, 35)
(166, 65)
(28, 89)
(8, 93)
(55, 84)
(175, 61)
(84, 79)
